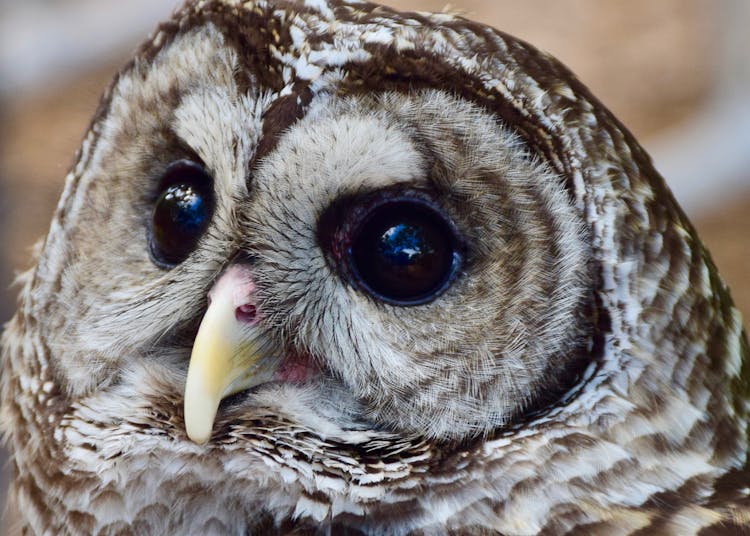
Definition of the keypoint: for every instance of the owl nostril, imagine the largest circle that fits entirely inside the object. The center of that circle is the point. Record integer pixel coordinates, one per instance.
(245, 313)
(235, 288)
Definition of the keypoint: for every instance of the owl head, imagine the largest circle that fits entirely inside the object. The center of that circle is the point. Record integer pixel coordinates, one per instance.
(312, 255)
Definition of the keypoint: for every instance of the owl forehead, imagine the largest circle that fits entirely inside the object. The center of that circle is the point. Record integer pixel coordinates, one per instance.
(191, 95)
(271, 58)
(290, 52)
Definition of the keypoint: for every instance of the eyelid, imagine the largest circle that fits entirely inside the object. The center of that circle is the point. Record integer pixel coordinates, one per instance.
(171, 175)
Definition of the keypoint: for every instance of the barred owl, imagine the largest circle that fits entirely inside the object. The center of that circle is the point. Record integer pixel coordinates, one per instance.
(229, 328)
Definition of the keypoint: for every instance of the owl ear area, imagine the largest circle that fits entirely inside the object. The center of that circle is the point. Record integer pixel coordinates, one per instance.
(230, 353)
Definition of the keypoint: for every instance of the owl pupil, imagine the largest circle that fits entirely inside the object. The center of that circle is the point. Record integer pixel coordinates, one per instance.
(181, 213)
(405, 245)
(404, 253)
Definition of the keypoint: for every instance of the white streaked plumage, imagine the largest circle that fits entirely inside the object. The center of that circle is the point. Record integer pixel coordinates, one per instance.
(577, 365)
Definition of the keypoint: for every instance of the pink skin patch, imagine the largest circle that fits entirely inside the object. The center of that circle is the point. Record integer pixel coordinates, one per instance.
(296, 368)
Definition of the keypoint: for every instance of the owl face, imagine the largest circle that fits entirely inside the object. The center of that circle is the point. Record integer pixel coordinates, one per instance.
(325, 264)
(404, 257)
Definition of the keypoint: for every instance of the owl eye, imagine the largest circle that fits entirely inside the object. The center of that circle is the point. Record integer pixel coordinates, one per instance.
(404, 252)
(181, 213)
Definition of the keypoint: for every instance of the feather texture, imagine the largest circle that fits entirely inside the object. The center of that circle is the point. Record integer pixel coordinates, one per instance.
(585, 372)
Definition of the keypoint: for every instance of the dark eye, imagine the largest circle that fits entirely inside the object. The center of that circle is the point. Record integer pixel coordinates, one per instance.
(404, 252)
(181, 213)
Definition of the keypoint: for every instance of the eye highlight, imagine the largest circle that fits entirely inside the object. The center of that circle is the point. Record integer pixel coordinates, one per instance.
(181, 213)
(401, 250)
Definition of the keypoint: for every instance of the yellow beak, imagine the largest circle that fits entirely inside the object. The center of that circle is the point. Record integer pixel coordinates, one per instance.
(228, 356)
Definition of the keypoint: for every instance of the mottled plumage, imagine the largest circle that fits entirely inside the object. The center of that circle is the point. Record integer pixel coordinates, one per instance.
(579, 368)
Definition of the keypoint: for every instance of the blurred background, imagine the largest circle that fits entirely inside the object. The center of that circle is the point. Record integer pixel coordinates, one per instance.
(676, 72)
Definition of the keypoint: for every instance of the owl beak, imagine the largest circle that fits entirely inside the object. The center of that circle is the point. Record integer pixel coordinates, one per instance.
(230, 354)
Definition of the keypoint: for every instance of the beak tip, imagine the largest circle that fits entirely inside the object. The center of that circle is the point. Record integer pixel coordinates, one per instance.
(198, 434)
(198, 439)
(199, 419)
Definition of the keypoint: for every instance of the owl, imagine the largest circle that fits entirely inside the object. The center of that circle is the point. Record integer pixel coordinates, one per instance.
(324, 267)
